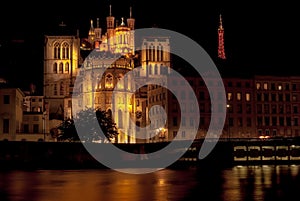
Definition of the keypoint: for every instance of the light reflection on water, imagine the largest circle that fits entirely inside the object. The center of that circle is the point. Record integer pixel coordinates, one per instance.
(231, 184)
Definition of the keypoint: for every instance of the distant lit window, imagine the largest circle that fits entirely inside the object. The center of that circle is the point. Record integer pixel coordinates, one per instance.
(109, 81)
(229, 96)
(55, 68)
(279, 87)
(239, 96)
(155, 69)
(67, 67)
(120, 83)
(248, 97)
(265, 86)
(65, 50)
(258, 85)
(56, 52)
(60, 68)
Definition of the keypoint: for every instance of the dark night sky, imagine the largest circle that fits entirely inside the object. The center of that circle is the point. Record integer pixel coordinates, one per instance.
(260, 36)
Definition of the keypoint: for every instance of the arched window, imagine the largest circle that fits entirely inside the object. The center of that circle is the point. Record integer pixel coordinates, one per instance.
(65, 50)
(56, 51)
(60, 70)
(150, 69)
(152, 53)
(155, 69)
(109, 81)
(55, 68)
(67, 68)
(120, 83)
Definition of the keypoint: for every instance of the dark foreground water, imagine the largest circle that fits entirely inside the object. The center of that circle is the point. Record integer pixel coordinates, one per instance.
(210, 183)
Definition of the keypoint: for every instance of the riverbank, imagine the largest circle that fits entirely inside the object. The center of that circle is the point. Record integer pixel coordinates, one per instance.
(74, 155)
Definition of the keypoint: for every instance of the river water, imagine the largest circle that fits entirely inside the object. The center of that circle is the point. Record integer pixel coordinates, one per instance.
(238, 183)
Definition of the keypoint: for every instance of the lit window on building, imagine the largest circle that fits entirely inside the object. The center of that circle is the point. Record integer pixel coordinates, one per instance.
(109, 81)
(294, 97)
(56, 50)
(67, 68)
(229, 96)
(55, 68)
(120, 83)
(258, 86)
(279, 87)
(248, 97)
(239, 96)
(265, 86)
(60, 68)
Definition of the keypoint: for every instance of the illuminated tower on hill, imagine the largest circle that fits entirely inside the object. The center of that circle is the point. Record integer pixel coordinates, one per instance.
(221, 49)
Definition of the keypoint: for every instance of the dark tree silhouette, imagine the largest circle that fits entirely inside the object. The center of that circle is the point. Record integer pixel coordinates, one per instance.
(85, 127)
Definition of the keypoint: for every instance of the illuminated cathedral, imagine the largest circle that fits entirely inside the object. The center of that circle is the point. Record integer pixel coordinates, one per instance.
(97, 64)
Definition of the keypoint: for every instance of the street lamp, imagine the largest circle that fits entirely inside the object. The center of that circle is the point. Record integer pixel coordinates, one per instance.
(228, 120)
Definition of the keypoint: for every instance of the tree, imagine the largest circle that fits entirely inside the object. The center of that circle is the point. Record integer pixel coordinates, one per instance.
(85, 127)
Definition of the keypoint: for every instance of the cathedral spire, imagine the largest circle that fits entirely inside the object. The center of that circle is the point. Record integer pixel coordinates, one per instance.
(130, 12)
(110, 10)
(221, 49)
(130, 20)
